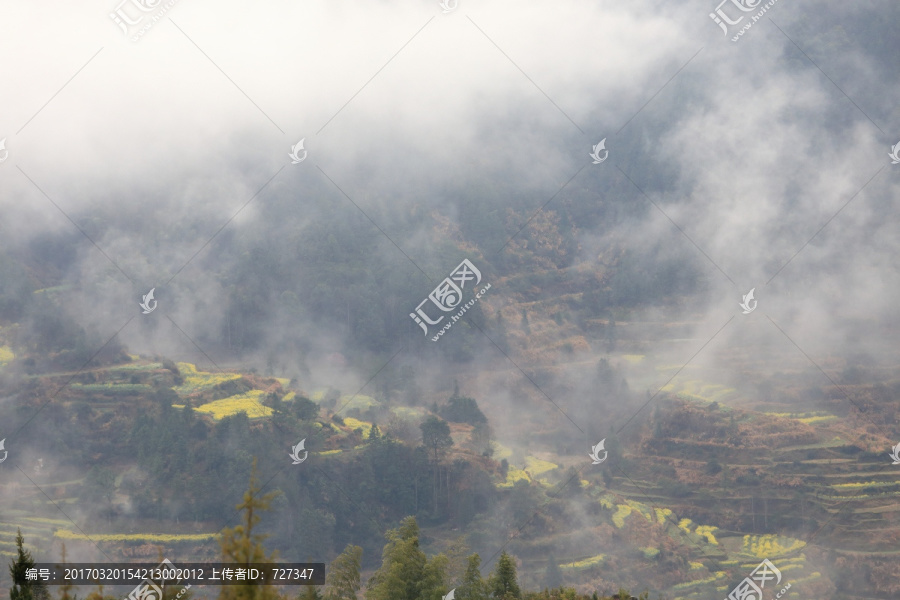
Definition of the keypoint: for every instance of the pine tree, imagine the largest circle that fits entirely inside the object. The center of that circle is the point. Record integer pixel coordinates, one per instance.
(22, 588)
(473, 586)
(342, 577)
(503, 582)
(401, 567)
(241, 545)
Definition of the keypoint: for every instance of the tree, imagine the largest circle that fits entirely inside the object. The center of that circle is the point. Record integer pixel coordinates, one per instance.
(436, 439)
(433, 584)
(401, 567)
(22, 588)
(473, 586)
(436, 436)
(503, 582)
(305, 409)
(241, 545)
(462, 409)
(342, 577)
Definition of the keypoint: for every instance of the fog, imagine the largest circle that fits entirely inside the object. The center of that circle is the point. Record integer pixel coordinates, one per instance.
(163, 163)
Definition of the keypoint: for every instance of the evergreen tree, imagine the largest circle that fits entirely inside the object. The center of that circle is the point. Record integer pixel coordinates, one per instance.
(473, 586)
(342, 577)
(22, 588)
(241, 545)
(503, 583)
(402, 565)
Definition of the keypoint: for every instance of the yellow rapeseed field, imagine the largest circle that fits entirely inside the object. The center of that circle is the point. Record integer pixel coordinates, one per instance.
(248, 402)
(195, 380)
(537, 466)
(619, 518)
(6, 355)
(135, 537)
(357, 424)
(583, 564)
(769, 546)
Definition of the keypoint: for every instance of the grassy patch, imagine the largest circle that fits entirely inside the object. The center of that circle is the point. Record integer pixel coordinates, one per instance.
(137, 366)
(113, 389)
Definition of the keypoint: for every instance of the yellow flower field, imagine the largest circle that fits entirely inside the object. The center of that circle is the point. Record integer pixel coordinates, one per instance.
(135, 537)
(513, 475)
(619, 518)
(583, 564)
(769, 546)
(357, 424)
(248, 402)
(537, 466)
(6, 355)
(707, 532)
(195, 380)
